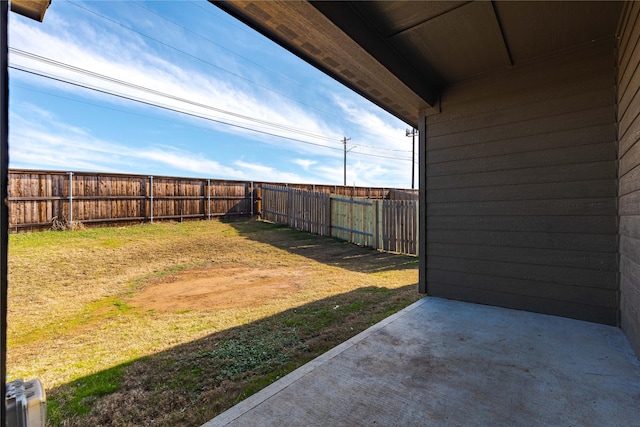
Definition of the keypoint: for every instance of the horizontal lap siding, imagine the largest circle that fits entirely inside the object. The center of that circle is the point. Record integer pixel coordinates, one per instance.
(629, 171)
(522, 188)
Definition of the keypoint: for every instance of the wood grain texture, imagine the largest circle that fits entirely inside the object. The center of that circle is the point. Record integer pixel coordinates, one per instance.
(389, 224)
(36, 197)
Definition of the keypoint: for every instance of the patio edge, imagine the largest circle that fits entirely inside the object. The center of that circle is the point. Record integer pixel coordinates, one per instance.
(258, 398)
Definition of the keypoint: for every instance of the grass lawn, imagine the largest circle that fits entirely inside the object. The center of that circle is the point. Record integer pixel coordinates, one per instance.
(169, 324)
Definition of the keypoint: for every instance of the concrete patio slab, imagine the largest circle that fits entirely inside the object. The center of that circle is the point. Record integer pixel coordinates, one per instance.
(441, 362)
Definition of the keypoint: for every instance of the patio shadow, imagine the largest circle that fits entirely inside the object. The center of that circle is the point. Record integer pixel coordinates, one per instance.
(191, 383)
(326, 250)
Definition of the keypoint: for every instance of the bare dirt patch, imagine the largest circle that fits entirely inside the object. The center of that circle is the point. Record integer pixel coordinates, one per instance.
(168, 324)
(220, 287)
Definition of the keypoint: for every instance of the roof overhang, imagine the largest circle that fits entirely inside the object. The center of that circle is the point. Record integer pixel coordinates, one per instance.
(402, 54)
(306, 32)
(33, 9)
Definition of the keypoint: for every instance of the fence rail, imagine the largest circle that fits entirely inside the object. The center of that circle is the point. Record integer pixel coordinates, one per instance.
(38, 197)
(389, 225)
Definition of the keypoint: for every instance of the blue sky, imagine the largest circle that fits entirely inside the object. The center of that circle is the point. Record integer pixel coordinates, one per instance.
(208, 71)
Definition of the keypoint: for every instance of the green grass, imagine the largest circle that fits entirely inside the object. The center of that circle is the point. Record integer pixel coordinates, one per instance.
(105, 360)
(82, 394)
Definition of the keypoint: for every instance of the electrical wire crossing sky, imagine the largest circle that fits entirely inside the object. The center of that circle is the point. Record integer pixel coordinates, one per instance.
(180, 88)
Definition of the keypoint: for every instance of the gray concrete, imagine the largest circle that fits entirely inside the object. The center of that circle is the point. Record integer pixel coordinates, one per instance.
(441, 362)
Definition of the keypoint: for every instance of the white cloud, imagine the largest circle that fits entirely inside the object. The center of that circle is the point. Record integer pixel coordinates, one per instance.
(190, 162)
(380, 135)
(120, 54)
(52, 144)
(379, 129)
(260, 172)
(151, 76)
(305, 163)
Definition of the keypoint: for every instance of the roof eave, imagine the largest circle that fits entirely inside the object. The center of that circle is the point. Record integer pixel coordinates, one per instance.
(33, 9)
(307, 33)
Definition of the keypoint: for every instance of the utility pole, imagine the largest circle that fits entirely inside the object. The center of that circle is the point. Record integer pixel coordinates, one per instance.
(412, 133)
(344, 141)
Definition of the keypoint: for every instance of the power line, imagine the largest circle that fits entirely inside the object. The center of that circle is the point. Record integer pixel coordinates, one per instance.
(344, 141)
(233, 22)
(384, 149)
(381, 156)
(198, 58)
(92, 74)
(219, 45)
(179, 99)
(188, 113)
(106, 107)
(165, 120)
(413, 133)
(165, 95)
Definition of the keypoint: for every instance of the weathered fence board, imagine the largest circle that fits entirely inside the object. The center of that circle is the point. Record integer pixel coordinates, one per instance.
(352, 219)
(399, 226)
(37, 197)
(389, 225)
(300, 209)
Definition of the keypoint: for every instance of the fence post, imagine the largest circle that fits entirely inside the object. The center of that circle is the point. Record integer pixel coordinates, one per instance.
(417, 207)
(289, 221)
(351, 219)
(208, 199)
(375, 223)
(70, 197)
(151, 198)
(251, 193)
(330, 219)
(379, 207)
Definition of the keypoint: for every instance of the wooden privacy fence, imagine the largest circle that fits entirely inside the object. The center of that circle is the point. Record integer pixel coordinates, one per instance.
(36, 198)
(300, 209)
(389, 225)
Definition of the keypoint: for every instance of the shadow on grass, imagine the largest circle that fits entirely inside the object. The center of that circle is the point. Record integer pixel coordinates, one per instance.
(327, 250)
(191, 383)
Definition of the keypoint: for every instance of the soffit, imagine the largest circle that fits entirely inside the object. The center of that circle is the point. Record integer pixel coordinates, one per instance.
(461, 43)
(401, 54)
(306, 32)
(534, 29)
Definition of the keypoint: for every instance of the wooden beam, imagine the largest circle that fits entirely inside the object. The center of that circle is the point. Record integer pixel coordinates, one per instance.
(422, 202)
(4, 208)
(307, 33)
(425, 83)
(504, 39)
(33, 9)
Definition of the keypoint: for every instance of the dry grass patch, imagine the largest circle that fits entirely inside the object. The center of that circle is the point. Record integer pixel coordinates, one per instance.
(169, 324)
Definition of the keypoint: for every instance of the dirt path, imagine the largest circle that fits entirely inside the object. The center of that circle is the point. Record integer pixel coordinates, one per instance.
(221, 287)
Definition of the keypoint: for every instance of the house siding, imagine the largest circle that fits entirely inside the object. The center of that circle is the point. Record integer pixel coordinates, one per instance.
(629, 170)
(522, 192)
